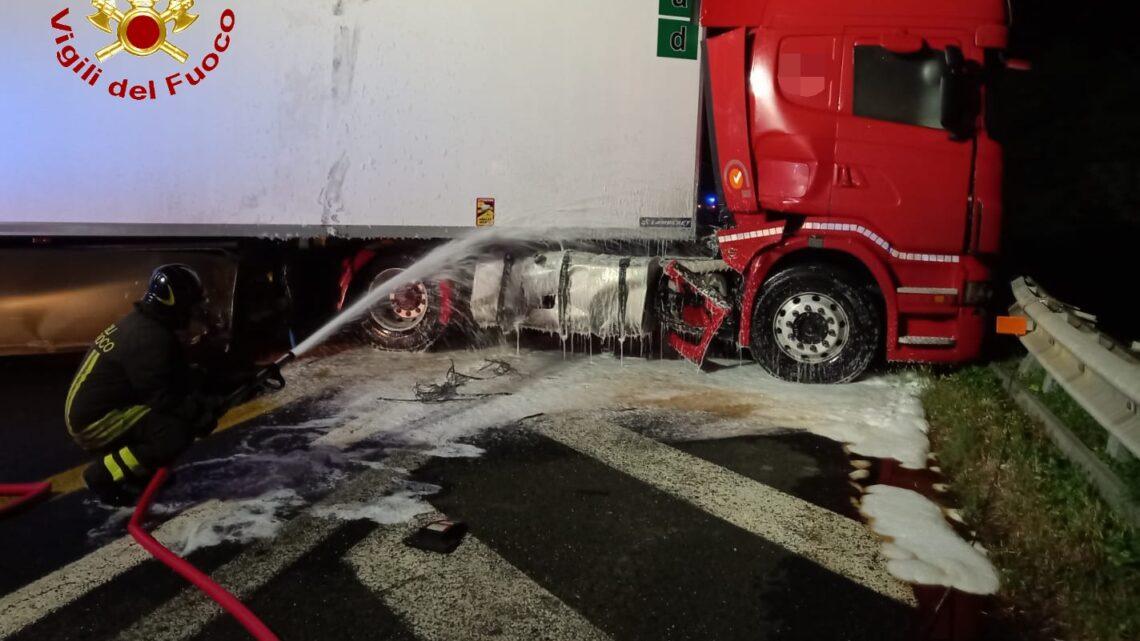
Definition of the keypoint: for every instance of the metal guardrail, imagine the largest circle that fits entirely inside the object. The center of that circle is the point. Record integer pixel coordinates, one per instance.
(1113, 490)
(1098, 373)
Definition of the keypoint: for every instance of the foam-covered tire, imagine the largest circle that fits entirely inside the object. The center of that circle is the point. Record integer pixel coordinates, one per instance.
(385, 328)
(816, 324)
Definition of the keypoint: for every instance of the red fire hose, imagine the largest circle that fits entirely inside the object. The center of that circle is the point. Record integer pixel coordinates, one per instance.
(229, 602)
(25, 494)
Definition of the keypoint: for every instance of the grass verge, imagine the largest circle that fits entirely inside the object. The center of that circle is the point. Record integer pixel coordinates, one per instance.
(1070, 567)
(1081, 424)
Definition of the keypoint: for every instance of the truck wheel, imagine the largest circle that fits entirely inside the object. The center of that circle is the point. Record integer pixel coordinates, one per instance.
(815, 324)
(408, 319)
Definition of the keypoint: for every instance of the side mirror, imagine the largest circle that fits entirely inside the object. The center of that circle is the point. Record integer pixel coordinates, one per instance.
(961, 95)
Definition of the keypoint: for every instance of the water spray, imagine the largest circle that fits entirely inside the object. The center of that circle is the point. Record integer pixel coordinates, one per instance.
(457, 259)
(433, 265)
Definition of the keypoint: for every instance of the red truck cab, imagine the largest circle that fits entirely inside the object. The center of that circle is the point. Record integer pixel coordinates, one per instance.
(848, 136)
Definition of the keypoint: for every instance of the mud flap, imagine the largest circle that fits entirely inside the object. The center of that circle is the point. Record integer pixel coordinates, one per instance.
(715, 310)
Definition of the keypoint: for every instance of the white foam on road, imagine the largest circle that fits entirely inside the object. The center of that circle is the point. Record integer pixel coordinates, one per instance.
(56, 590)
(880, 417)
(374, 412)
(921, 546)
(401, 506)
(278, 469)
(243, 522)
(360, 427)
(184, 616)
(398, 508)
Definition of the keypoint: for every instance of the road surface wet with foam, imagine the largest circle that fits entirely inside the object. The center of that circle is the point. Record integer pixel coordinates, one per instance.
(607, 498)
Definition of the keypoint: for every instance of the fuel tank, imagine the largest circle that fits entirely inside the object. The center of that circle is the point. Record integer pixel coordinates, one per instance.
(566, 292)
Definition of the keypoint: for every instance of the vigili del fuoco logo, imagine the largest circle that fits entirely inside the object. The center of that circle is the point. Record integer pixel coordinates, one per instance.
(141, 31)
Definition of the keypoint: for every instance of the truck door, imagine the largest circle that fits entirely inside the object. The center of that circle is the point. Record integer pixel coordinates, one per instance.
(793, 120)
(897, 169)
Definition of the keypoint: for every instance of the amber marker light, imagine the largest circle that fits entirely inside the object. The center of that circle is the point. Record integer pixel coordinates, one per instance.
(1012, 325)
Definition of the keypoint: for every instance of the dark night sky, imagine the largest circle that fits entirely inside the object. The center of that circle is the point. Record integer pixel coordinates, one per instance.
(1071, 129)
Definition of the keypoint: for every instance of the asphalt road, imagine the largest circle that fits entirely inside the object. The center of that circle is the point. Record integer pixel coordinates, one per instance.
(589, 519)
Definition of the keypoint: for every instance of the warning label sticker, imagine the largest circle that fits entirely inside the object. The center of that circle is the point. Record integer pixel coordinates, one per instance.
(485, 212)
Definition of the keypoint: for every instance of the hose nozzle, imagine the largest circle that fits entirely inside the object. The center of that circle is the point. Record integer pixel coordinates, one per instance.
(269, 378)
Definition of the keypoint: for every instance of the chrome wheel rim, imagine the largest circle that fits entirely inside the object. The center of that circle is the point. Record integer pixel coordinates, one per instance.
(404, 308)
(811, 328)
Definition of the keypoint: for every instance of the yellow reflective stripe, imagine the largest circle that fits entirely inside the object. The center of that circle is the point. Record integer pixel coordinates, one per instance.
(116, 423)
(80, 378)
(101, 432)
(113, 467)
(71, 481)
(133, 463)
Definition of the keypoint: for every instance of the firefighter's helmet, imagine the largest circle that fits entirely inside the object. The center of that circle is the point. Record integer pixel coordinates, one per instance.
(175, 293)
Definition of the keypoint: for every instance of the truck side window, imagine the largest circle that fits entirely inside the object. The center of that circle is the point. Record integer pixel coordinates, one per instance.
(903, 88)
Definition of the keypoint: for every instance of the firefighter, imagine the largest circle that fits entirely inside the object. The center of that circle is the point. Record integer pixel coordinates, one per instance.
(136, 403)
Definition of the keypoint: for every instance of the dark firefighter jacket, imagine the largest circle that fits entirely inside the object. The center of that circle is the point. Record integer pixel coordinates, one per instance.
(135, 367)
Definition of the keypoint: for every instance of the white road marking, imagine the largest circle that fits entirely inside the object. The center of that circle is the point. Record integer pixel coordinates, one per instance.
(187, 614)
(834, 542)
(60, 588)
(473, 594)
(837, 543)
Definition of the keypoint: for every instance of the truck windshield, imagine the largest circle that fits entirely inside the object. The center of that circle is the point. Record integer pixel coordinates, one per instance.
(902, 88)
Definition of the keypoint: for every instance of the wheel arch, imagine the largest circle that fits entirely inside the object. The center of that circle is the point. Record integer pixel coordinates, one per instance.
(840, 252)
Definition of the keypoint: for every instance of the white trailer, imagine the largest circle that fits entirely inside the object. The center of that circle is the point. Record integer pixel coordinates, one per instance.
(349, 118)
(376, 121)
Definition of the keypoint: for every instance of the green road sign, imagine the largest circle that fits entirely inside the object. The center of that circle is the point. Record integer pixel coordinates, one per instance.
(678, 8)
(677, 38)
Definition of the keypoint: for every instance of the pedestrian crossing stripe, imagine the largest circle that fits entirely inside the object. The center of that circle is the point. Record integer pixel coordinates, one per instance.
(63, 587)
(849, 549)
(473, 594)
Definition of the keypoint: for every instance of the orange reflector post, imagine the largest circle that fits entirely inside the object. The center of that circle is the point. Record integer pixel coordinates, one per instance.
(1012, 325)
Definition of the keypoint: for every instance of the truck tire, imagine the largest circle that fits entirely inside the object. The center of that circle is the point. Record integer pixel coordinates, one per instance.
(408, 319)
(816, 324)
